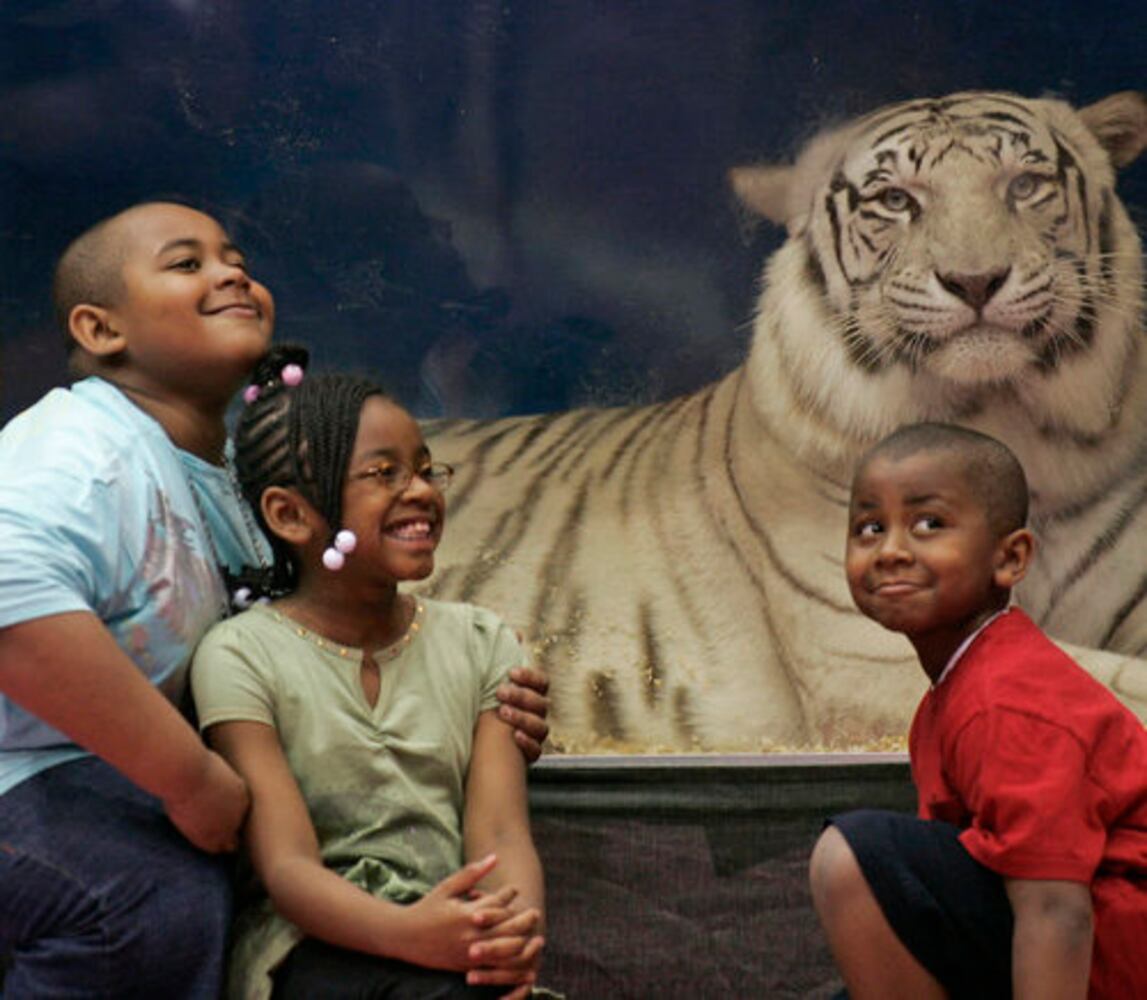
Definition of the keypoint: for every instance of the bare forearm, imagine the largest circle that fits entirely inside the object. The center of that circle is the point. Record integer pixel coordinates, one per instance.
(497, 819)
(324, 905)
(518, 866)
(68, 671)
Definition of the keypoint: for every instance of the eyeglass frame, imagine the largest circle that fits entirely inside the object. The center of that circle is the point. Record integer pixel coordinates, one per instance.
(436, 475)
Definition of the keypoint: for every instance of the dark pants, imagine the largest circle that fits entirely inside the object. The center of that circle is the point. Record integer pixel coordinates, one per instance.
(318, 971)
(101, 897)
(951, 912)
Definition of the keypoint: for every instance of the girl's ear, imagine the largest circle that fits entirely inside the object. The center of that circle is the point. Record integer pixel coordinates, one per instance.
(91, 328)
(289, 516)
(1013, 556)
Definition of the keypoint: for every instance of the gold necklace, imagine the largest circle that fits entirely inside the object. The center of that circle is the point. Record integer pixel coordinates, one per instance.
(382, 655)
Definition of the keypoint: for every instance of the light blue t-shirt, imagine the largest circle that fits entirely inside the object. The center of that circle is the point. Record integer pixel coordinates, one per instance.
(97, 514)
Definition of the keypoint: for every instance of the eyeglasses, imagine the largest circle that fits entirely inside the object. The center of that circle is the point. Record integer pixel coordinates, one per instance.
(395, 477)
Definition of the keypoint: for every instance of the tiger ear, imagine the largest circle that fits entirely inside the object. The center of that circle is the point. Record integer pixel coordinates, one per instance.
(764, 190)
(1119, 122)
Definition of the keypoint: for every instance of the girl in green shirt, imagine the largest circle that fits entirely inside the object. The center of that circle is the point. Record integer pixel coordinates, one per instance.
(389, 827)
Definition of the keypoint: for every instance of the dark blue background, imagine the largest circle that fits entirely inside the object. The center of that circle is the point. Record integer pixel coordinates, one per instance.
(495, 207)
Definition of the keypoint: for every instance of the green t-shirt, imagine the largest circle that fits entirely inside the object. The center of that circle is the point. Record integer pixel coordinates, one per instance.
(384, 784)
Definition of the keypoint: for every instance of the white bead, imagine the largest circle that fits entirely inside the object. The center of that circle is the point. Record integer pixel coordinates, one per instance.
(345, 541)
(334, 560)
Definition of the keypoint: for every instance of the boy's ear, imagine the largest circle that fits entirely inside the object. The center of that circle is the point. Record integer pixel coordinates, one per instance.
(1013, 556)
(91, 328)
(289, 515)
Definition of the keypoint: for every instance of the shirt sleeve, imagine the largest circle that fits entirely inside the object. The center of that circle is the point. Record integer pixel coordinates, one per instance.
(229, 679)
(498, 651)
(62, 527)
(1035, 812)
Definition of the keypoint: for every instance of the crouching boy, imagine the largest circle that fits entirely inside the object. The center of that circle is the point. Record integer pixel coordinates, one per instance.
(1025, 870)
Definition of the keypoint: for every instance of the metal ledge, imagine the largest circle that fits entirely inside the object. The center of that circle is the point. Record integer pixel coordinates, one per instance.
(706, 787)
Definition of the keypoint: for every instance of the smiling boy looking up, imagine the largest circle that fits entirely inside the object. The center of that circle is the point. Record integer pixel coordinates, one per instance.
(115, 508)
(1025, 870)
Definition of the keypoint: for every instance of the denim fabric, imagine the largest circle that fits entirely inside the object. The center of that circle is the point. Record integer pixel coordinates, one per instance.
(101, 897)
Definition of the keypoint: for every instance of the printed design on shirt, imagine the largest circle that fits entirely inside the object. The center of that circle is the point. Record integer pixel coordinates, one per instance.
(184, 590)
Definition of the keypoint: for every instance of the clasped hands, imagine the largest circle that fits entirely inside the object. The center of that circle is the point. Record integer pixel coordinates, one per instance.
(481, 933)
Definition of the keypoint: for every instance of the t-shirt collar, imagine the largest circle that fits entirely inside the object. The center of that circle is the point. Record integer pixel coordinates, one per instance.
(963, 648)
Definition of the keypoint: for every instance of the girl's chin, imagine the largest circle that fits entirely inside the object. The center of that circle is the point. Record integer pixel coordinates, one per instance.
(416, 570)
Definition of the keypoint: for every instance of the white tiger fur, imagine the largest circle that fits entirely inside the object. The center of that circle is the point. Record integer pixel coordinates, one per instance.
(679, 566)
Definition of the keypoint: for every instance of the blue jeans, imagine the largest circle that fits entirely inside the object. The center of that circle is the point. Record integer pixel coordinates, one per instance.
(101, 897)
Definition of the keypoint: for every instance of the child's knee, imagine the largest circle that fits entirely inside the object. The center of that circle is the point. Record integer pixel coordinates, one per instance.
(833, 868)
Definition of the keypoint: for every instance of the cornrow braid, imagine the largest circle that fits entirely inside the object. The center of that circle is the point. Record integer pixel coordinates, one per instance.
(299, 437)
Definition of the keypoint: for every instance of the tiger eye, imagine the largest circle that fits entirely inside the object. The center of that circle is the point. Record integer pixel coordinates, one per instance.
(896, 199)
(1023, 186)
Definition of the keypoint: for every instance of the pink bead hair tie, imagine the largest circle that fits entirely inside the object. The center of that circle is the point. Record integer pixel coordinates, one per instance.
(291, 375)
(334, 558)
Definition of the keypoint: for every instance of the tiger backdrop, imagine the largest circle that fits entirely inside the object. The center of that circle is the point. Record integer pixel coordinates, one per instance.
(678, 567)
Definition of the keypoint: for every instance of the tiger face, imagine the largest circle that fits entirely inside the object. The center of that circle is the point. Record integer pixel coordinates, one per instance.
(971, 237)
(960, 238)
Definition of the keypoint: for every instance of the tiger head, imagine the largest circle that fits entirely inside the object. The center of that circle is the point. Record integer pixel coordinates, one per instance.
(957, 253)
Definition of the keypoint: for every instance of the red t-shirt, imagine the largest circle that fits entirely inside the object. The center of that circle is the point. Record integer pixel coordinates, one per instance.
(1046, 772)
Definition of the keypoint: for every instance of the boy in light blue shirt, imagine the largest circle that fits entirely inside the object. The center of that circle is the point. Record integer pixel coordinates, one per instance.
(115, 508)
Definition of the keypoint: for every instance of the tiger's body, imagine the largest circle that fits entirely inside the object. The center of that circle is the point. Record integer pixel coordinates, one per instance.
(679, 566)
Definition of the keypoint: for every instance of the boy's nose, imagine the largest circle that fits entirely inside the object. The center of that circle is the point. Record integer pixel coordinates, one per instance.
(893, 548)
(232, 274)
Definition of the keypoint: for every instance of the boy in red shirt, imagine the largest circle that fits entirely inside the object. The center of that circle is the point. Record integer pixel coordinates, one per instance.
(1025, 871)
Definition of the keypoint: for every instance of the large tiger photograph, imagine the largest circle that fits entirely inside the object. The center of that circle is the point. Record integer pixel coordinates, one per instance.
(678, 566)
(654, 280)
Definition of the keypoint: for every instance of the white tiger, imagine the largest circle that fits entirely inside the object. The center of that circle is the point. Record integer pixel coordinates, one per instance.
(680, 565)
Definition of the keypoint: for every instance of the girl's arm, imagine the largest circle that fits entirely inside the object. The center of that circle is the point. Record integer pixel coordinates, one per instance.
(497, 815)
(1051, 944)
(435, 932)
(497, 821)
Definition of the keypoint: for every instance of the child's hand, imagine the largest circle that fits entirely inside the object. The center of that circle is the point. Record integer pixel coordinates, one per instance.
(509, 954)
(525, 707)
(212, 813)
(450, 918)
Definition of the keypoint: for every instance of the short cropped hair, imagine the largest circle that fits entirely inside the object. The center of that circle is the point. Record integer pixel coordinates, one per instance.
(90, 270)
(989, 466)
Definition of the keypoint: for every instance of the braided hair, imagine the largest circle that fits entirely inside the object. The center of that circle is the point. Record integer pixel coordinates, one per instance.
(297, 436)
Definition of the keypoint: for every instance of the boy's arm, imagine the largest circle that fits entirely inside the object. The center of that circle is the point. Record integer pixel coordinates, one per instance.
(435, 932)
(67, 670)
(525, 707)
(1051, 944)
(497, 821)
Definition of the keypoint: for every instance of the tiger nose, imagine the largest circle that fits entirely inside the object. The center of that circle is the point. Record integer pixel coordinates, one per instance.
(975, 289)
